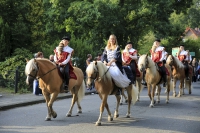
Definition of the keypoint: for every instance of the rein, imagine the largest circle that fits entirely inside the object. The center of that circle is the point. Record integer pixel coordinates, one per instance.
(47, 73)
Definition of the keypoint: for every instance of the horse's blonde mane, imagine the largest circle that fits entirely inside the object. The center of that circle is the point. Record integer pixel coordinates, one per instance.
(102, 69)
(178, 62)
(142, 61)
(30, 66)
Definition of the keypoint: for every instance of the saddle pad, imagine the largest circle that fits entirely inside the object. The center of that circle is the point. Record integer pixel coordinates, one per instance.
(72, 75)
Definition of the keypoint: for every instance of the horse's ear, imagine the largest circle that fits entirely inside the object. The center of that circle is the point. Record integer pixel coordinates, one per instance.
(139, 54)
(26, 60)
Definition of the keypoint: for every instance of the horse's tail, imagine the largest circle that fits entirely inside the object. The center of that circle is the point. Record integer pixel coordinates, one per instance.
(134, 94)
(81, 91)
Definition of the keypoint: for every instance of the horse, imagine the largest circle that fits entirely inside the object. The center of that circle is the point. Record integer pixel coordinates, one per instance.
(178, 73)
(138, 85)
(153, 77)
(104, 85)
(51, 83)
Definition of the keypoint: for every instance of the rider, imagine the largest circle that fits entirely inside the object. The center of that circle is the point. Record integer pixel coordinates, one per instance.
(112, 59)
(157, 55)
(129, 58)
(62, 58)
(183, 56)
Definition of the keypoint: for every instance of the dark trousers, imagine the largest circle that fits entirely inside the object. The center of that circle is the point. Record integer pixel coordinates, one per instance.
(163, 73)
(129, 73)
(133, 69)
(66, 74)
(186, 67)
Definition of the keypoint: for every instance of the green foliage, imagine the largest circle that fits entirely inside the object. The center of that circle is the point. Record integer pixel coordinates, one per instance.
(9, 66)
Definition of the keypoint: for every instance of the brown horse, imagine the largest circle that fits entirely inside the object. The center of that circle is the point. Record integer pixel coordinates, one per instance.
(50, 82)
(138, 85)
(98, 72)
(178, 73)
(153, 77)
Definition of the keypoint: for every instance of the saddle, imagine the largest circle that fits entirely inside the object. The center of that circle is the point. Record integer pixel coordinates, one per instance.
(72, 75)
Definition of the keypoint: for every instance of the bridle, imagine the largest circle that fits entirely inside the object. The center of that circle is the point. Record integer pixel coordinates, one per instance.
(35, 75)
(96, 72)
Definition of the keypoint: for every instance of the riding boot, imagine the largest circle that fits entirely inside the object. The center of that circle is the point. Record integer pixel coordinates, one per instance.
(133, 69)
(144, 81)
(164, 75)
(119, 90)
(66, 70)
(186, 67)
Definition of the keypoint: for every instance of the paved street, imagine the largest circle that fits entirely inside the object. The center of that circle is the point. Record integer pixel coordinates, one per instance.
(181, 115)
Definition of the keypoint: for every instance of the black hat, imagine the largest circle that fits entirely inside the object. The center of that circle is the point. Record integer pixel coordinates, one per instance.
(129, 43)
(66, 38)
(181, 45)
(158, 40)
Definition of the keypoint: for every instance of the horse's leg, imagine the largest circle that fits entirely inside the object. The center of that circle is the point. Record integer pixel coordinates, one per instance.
(52, 99)
(129, 92)
(123, 95)
(174, 87)
(152, 96)
(103, 103)
(158, 88)
(49, 102)
(116, 114)
(169, 86)
(180, 87)
(47, 99)
(139, 86)
(74, 99)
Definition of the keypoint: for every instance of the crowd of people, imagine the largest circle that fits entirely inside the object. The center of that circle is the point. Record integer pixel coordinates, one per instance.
(121, 64)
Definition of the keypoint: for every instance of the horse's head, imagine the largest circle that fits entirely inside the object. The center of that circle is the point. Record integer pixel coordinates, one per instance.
(31, 71)
(170, 60)
(143, 62)
(92, 73)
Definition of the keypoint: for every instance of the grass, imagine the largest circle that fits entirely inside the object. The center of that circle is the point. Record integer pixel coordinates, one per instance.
(7, 90)
(12, 91)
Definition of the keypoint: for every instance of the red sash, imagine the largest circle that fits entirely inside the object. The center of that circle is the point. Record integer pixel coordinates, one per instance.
(156, 56)
(181, 57)
(126, 58)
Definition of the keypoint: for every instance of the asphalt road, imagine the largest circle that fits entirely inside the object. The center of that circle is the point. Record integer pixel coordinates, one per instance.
(181, 115)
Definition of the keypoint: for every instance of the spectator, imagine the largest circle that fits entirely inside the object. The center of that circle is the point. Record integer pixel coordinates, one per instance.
(89, 59)
(51, 58)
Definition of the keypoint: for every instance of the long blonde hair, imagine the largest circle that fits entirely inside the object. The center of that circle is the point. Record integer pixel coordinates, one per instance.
(108, 43)
(60, 48)
(153, 48)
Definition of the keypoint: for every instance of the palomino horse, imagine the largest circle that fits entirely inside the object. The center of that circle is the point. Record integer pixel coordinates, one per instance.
(98, 72)
(138, 85)
(153, 77)
(50, 82)
(178, 73)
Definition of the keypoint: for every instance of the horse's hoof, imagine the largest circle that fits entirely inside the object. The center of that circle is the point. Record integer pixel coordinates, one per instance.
(48, 119)
(174, 95)
(167, 101)
(190, 92)
(158, 101)
(80, 112)
(128, 116)
(110, 119)
(120, 103)
(126, 101)
(116, 116)
(55, 115)
(68, 115)
(98, 124)
(151, 106)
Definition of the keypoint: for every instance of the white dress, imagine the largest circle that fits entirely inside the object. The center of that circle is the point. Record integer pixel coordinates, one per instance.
(120, 79)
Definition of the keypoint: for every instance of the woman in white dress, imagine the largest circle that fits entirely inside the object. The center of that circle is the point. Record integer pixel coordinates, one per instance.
(112, 59)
